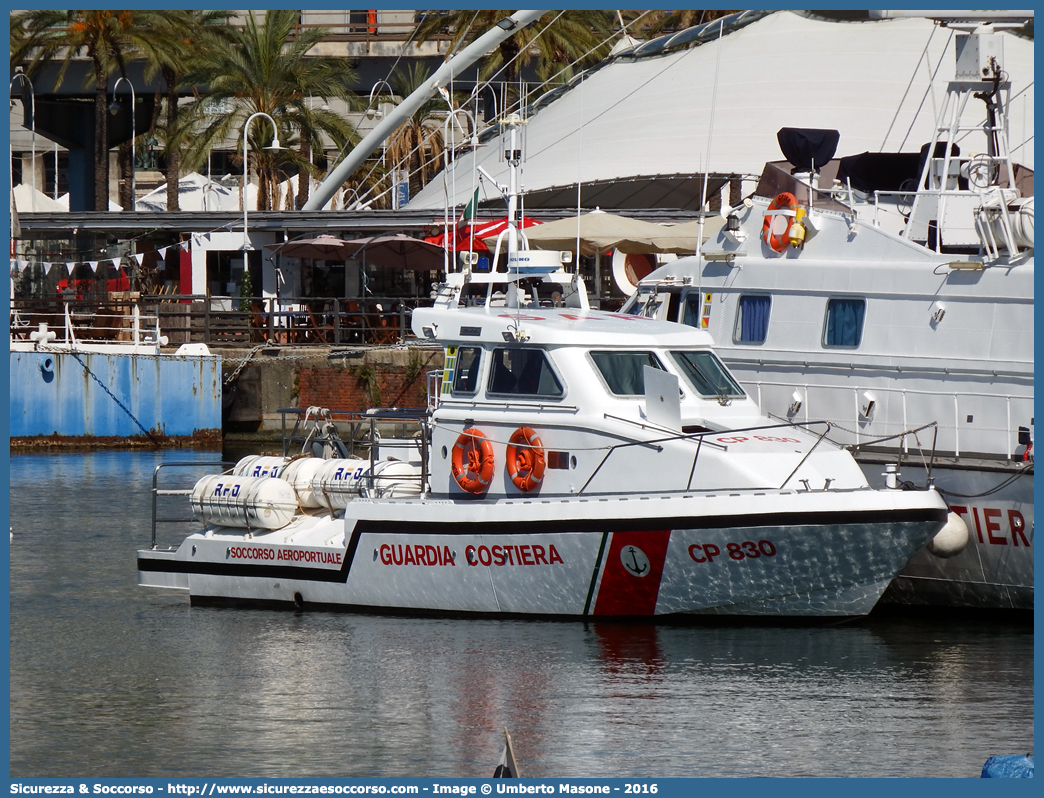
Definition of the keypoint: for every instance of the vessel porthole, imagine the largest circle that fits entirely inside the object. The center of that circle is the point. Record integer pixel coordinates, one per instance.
(444, 452)
(375, 555)
(572, 461)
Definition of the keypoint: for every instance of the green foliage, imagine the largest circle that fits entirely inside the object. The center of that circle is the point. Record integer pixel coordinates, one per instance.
(246, 291)
(413, 366)
(557, 44)
(268, 68)
(369, 379)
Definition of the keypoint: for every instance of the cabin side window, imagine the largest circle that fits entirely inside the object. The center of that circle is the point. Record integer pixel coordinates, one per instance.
(844, 322)
(624, 372)
(696, 310)
(706, 374)
(691, 314)
(465, 375)
(522, 372)
(752, 319)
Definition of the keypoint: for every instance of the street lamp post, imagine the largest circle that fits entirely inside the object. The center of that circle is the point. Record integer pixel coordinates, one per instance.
(32, 129)
(113, 108)
(246, 164)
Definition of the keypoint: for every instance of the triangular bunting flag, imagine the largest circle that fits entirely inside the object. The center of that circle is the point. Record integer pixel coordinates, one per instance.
(140, 257)
(163, 252)
(94, 265)
(69, 267)
(23, 264)
(14, 269)
(46, 268)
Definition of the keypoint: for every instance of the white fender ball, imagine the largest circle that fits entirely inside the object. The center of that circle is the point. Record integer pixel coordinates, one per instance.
(951, 539)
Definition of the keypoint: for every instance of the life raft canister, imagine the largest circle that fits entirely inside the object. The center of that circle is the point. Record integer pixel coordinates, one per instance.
(525, 459)
(473, 461)
(775, 231)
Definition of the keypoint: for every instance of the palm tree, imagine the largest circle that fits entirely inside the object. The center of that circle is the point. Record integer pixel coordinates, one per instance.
(557, 42)
(417, 144)
(267, 68)
(110, 39)
(41, 36)
(168, 41)
(656, 22)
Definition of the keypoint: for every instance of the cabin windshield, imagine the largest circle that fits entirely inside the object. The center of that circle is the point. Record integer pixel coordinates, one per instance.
(706, 374)
(624, 372)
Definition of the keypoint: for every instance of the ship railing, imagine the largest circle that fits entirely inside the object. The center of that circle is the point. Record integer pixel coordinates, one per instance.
(902, 437)
(953, 413)
(76, 322)
(376, 434)
(159, 492)
(701, 439)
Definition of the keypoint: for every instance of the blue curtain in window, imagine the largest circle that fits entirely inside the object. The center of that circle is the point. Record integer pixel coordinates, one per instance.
(845, 322)
(754, 316)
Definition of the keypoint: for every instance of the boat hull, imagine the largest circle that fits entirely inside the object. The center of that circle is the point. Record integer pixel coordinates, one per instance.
(631, 562)
(83, 397)
(995, 570)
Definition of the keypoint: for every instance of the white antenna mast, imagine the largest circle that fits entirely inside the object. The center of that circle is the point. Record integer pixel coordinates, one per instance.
(706, 167)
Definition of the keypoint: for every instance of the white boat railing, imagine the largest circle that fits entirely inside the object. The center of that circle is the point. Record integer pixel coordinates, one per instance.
(75, 329)
(701, 439)
(158, 493)
(946, 408)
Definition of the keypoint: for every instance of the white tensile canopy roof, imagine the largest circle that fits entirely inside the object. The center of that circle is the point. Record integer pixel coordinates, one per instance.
(199, 193)
(28, 200)
(637, 132)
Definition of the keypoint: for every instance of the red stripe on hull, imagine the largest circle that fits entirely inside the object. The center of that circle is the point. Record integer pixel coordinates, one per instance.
(633, 569)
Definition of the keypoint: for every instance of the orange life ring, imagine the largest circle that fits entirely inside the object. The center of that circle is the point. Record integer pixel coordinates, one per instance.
(473, 461)
(525, 459)
(780, 214)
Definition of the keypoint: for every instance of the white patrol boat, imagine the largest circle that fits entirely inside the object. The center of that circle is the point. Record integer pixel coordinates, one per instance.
(571, 463)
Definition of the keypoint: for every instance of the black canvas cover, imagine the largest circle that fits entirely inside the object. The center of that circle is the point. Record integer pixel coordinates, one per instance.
(808, 149)
(880, 171)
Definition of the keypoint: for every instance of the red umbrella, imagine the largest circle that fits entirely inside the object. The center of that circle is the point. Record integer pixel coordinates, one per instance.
(469, 236)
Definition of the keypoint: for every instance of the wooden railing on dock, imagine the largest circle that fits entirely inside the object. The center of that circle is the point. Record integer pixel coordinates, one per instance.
(246, 321)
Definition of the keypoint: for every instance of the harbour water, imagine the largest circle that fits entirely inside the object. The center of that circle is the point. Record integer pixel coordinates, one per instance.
(109, 679)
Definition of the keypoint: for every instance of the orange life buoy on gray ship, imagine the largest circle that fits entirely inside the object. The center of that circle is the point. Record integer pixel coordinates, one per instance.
(775, 231)
(473, 461)
(525, 459)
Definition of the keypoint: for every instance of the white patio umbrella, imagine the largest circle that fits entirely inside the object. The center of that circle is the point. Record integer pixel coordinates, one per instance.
(598, 232)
